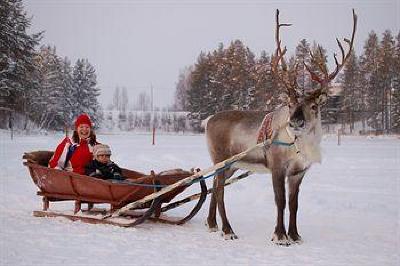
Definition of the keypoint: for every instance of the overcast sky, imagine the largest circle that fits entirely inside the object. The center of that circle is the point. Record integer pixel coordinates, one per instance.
(137, 44)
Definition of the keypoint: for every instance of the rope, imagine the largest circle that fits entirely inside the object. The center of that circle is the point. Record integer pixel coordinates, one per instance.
(194, 181)
(217, 171)
(137, 184)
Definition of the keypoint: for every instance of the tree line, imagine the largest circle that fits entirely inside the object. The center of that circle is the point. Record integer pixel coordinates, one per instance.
(371, 85)
(36, 84)
(233, 78)
(139, 115)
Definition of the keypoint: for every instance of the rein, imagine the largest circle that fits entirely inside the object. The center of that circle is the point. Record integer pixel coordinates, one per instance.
(264, 136)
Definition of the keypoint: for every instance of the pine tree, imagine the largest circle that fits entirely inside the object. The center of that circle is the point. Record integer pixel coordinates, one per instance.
(386, 74)
(238, 82)
(17, 52)
(66, 101)
(199, 94)
(249, 84)
(318, 63)
(143, 102)
(260, 74)
(351, 104)
(116, 99)
(302, 55)
(395, 101)
(266, 95)
(182, 87)
(369, 72)
(47, 101)
(218, 71)
(124, 100)
(85, 91)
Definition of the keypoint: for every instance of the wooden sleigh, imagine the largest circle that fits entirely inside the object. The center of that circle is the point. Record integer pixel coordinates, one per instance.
(58, 185)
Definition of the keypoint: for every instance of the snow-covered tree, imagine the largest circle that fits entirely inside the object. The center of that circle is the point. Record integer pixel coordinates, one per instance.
(85, 90)
(302, 55)
(66, 99)
(116, 99)
(386, 74)
(120, 99)
(266, 93)
(352, 103)
(17, 52)
(395, 110)
(238, 82)
(200, 92)
(318, 62)
(369, 71)
(143, 102)
(124, 100)
(44, 98)
(182, 87)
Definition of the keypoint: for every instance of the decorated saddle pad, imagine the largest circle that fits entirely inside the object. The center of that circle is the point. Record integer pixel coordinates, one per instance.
(272, 121)
(265, 131)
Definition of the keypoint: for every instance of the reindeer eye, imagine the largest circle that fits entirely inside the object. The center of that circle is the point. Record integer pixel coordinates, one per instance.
(314, 107)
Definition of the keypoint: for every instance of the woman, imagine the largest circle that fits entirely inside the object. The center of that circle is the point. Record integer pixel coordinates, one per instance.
(74, 155)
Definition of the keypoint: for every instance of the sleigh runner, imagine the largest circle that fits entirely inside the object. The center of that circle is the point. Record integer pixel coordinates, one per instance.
(57, 185)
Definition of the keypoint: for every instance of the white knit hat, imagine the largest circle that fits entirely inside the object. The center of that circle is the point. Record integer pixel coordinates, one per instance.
(101, 149)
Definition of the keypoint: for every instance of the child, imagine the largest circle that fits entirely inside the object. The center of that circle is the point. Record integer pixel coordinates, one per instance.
(101, 166)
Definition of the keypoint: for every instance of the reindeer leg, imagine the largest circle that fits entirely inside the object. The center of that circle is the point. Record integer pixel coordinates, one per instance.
(226, 227)
(294, 185)
(211, 219)
(278, 181)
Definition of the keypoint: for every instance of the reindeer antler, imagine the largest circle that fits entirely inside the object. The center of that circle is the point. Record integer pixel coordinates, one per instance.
(289, 83)
(345, 56)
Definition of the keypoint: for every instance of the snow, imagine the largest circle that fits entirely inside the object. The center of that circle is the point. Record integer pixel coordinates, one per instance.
(348, 214)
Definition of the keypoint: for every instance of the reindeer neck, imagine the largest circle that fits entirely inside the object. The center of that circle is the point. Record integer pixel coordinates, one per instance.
(284, 135)
(309, 144)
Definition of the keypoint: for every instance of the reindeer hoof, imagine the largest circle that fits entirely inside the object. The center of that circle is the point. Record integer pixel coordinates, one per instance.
(230, 236)
(280, 240)
(211, 229)
(296, 239)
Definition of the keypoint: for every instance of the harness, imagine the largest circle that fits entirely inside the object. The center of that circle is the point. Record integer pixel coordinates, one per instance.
(265, 135)
(265, 131)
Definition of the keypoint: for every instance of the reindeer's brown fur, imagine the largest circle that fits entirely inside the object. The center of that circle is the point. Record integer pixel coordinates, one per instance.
(232, 132)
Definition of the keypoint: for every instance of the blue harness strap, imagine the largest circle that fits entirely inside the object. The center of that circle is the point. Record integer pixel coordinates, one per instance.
(278, 142)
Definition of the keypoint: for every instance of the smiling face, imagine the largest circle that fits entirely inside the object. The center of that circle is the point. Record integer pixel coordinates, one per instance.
(83, 131)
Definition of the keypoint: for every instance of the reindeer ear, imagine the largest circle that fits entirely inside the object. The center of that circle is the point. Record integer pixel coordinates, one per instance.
(321, 99)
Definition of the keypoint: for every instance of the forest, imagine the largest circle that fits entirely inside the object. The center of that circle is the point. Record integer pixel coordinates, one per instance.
(366, 92)
(41, 89)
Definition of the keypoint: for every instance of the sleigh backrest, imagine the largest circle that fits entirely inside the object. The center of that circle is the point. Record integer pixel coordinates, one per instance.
(38, 157)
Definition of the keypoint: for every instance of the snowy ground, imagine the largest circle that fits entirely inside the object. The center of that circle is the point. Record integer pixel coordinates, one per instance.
(349, 211)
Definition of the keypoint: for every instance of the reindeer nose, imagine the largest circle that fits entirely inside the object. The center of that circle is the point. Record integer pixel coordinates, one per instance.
(297, 123)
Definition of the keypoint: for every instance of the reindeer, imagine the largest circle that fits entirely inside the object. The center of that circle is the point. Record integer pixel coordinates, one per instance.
(292, 141)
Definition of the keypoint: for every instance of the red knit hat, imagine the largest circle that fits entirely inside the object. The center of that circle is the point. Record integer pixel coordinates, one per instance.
(83, 119)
